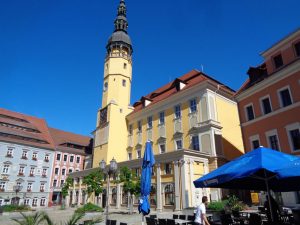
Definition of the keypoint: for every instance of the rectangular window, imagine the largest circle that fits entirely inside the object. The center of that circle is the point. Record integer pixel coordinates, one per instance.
(162, 148)
(250, 112)
(46, 159)
(130, 129)
(29, 187)
(34, 156)
(72, 158)
(138, 154)
(129, 156)
(295, 139)
(34, 202)
(56, 171)
(168, 168)
(124, 83)
(297, 48)
(149, 122)
(285, 97)
(278, 62)
(273, 140)
(43, 202)
(58, 157)
(65, 158)
(139, 126)
(9, 152)
(63, 172)
(266, 105)
(255, 144)
(78, 159)
(24, 155)
(54, 183)
(162, 118)
(70, 170)
(21, 171)
(193, 106)
(27, 201)
(177, 112)
(178, 144)
(42, 187)
(2, 186)
(195, 142)
(31, 172)
(44, 173)
(5, 169)
(62, 183)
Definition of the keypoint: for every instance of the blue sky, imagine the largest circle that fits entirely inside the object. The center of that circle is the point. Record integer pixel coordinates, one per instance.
(52, 51)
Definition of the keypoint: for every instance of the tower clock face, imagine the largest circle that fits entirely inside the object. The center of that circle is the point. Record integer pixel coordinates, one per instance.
(103, 116)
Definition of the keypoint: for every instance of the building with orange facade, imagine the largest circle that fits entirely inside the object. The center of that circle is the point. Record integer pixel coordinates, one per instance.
(269, 102)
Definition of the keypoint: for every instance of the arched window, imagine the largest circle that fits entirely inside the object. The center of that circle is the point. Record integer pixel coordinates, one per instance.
(169, 194)
(114, 196)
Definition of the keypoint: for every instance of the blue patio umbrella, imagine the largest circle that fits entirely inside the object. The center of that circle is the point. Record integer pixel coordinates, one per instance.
(148, 162)
(290, 173)
(256, 170)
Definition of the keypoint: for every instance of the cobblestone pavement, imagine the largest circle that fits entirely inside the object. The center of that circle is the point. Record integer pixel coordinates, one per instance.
(58, 216)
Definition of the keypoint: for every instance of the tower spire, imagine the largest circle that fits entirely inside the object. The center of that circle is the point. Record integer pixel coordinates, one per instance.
(121, 23)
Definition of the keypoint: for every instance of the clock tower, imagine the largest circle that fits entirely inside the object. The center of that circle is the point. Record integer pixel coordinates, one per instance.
(111, 130)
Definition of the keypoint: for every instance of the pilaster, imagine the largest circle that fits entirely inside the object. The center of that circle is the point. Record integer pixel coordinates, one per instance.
(177, 187)
(119, 194)
(158, 189)
(191, 183)
(184, 191)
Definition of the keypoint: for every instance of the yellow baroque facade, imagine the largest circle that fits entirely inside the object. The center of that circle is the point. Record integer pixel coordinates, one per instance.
(193, 124)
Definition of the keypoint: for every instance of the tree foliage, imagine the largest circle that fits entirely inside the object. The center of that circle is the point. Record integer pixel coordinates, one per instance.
(131, 182)
(94, 182)
(66, 187)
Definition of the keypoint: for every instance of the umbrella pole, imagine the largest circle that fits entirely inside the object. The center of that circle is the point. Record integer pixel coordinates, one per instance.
(269, 197)
(143, 219)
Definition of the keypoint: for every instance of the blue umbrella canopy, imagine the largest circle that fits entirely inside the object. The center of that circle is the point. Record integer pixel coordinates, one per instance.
(148, 163)
(256, 170)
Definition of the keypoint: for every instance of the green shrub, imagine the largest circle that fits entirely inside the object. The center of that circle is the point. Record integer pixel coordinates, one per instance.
(13, 208)
(217, 206)
(89, 207)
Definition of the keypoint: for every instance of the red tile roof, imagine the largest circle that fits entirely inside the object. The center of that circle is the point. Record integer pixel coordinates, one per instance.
(190, 79)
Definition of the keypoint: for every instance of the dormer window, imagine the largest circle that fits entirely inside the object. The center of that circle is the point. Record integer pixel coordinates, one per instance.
(179, 84)
(146, 101)
(297, 48)
(278, 62)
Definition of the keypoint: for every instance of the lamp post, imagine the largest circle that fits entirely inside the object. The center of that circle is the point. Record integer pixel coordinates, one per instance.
(17, 188)
(113, 166)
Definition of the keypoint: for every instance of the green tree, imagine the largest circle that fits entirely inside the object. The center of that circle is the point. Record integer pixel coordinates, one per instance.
(66, 187)
(94, 183)
(35, 219)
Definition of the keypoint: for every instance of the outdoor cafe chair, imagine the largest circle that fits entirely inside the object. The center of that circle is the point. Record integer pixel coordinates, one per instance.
(153, 221)
(170, 222)
(190, 217)
(175, 216)
(227, 220)
(255, 219)
(182, 217)
(162, 221)
(113, 222)
(153, 216)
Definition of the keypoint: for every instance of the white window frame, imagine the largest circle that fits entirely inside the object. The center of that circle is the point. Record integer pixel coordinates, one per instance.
(27, 201)
(139, 125)
(34, 155)
(130, 129)
(57, 171)
(5, 169)
(63, 169)
(129, 154)
(35, 200)
(289, 127)
(159, 146)
(138, 156)
(43, 202)
(59, 157)
(159, 118)
(192, 144)
(78, 157)
(150, 122)
(175, 143)
(44, 172)
(254, 138)
(29, 186)
(71, 157)
(22, 170)
(246, 112)
(279, 95)
(10, 151)
(42, 187)
(175, 114)
(66, 158)
(190, 106)
(273, 133)
(25, 154)
(2, 185)
(32, 171)
(262, 105)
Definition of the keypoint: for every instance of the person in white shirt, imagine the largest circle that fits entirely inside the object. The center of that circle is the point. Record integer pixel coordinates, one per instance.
(200, 218)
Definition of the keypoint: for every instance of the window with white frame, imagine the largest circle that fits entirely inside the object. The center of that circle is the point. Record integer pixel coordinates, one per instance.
(56, 170)
(46, 158)
(5, 169)
(2, 186)
(254, 141)
(31, 172)
(249, 112)
(293, 133)
(62, 183)
(129, 156)
(162, 148)
(70, 170)
(24, 154)
(63, 171)
(78, 159)
(178, 144)
(285, 97)
(9, 152)
(195, 143)
(43, 202)
(177, 112)
(27, 201)
(65, 158)
(54, 183)
(44, 172)
(34, 202)
(168, 168)
(161, 118)
(149, 122)
(21, 170)
(138, 153)
(42, 187)
(58, 156)
(193, 106)
(71, 158)
(266, 105)
(139, 126)
(272, 138)
(34, 156)
(169, 194)
(29, 187)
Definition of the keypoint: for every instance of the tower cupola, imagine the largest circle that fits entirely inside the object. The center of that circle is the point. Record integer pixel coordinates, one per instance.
(119, 43)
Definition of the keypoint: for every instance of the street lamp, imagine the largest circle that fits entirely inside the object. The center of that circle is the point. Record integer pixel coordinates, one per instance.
(17, 188)
(113, 166)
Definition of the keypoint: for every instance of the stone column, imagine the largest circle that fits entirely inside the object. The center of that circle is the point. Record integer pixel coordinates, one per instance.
(184, 194)
(128, 200)
(79, 192)
(158, 189)
(73, 193)
(67, 200)
(177, 187)
(119, 194)
(191, 183)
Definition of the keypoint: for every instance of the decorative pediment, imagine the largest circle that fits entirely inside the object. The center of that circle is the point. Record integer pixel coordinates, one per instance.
(177, 134)
(161, 140)
(7, 163)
